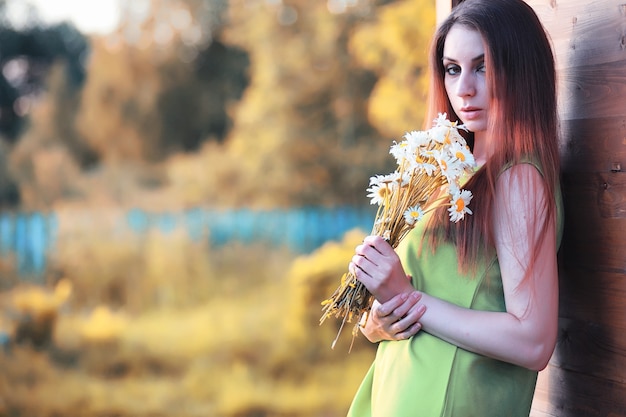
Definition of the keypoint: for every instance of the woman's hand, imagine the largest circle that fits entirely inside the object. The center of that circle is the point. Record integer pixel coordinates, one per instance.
(397, 319)
(378, 267)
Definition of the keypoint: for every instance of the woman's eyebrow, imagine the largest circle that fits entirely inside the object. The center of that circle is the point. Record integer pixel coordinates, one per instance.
(480, 57)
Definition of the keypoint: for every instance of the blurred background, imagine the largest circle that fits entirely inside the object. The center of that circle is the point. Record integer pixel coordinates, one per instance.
(182, 182)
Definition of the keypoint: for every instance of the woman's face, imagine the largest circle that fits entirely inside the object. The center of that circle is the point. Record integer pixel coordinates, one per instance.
(465, 77)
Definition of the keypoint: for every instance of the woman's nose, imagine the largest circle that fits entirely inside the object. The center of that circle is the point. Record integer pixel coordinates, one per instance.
(467, 84)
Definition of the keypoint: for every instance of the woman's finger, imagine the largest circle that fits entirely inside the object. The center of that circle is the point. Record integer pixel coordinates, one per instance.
(409, 332)
(410, 312)
(381, 245)
(389, 308)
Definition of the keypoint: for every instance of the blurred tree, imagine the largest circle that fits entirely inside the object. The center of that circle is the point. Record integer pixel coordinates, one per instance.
(395, 46)
(196, 107)
(271, 103)
(28, 55)
(46, 161)
(301, 134)
(164, 82)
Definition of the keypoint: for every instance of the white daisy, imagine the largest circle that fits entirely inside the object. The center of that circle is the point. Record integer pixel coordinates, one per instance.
(427, 167)
(382, 186)
(417, 138)
(440, 134)
(453, 187)
(413, 215)
(400, 151)
(390, 179)
(458, 205)
(455, 136)
(463, 154)
(442, 120)
(379, 194)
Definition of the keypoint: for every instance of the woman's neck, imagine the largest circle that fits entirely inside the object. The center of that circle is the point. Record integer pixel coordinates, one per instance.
(482, 149)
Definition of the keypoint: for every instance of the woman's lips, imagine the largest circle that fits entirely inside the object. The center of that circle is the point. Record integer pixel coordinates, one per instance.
(470, 113)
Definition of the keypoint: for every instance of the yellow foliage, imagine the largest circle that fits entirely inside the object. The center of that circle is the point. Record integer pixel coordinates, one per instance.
(313, 279)
(116, 79)
(301, 134)
(395, 45)
(187, 174)
(36, 300)
(254, 345)
(102, 266)
(167, 267)
(103, 325)
(29, 313)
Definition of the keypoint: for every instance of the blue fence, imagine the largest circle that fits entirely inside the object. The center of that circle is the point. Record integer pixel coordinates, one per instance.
(29, 237)
(302, 229)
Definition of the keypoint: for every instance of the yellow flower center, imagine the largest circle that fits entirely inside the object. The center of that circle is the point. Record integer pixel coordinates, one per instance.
(461, 156)
(384, 192)
(443, 164)
(460, 205)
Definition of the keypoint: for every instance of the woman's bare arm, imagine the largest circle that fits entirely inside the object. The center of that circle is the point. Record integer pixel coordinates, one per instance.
(525, 334)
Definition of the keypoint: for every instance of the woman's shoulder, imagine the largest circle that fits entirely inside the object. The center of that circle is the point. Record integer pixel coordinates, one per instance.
(523, 180)
(524, 165)
(523, 186)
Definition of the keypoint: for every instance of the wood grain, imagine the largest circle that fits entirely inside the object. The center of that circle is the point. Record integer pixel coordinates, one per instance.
(572, 394)
(584, 33)
(593, 144)
(589, 348)
(596, 297)
(594, 227)
(593, 91)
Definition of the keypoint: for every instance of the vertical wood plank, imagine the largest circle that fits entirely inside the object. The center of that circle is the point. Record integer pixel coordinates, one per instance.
(587, 373)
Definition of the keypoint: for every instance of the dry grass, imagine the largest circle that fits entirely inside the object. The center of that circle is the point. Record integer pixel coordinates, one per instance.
(166, 327)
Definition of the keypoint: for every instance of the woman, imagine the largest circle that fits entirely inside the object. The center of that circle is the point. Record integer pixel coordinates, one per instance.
(468, 332)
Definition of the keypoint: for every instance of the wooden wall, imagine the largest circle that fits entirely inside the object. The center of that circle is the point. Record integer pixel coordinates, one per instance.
(587, 374)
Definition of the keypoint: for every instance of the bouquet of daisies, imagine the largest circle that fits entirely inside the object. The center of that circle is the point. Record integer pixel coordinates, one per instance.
(430, 167)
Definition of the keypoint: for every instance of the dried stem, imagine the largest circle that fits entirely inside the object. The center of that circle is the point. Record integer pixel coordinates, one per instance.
(424, 190)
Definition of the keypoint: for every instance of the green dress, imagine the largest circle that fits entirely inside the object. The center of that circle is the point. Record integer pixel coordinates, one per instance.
(425, 376)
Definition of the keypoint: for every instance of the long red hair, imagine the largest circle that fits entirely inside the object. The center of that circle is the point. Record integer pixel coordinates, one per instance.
(523, 112)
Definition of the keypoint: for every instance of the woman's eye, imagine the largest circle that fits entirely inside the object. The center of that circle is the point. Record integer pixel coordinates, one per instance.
(453, 69)
(481, 68)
